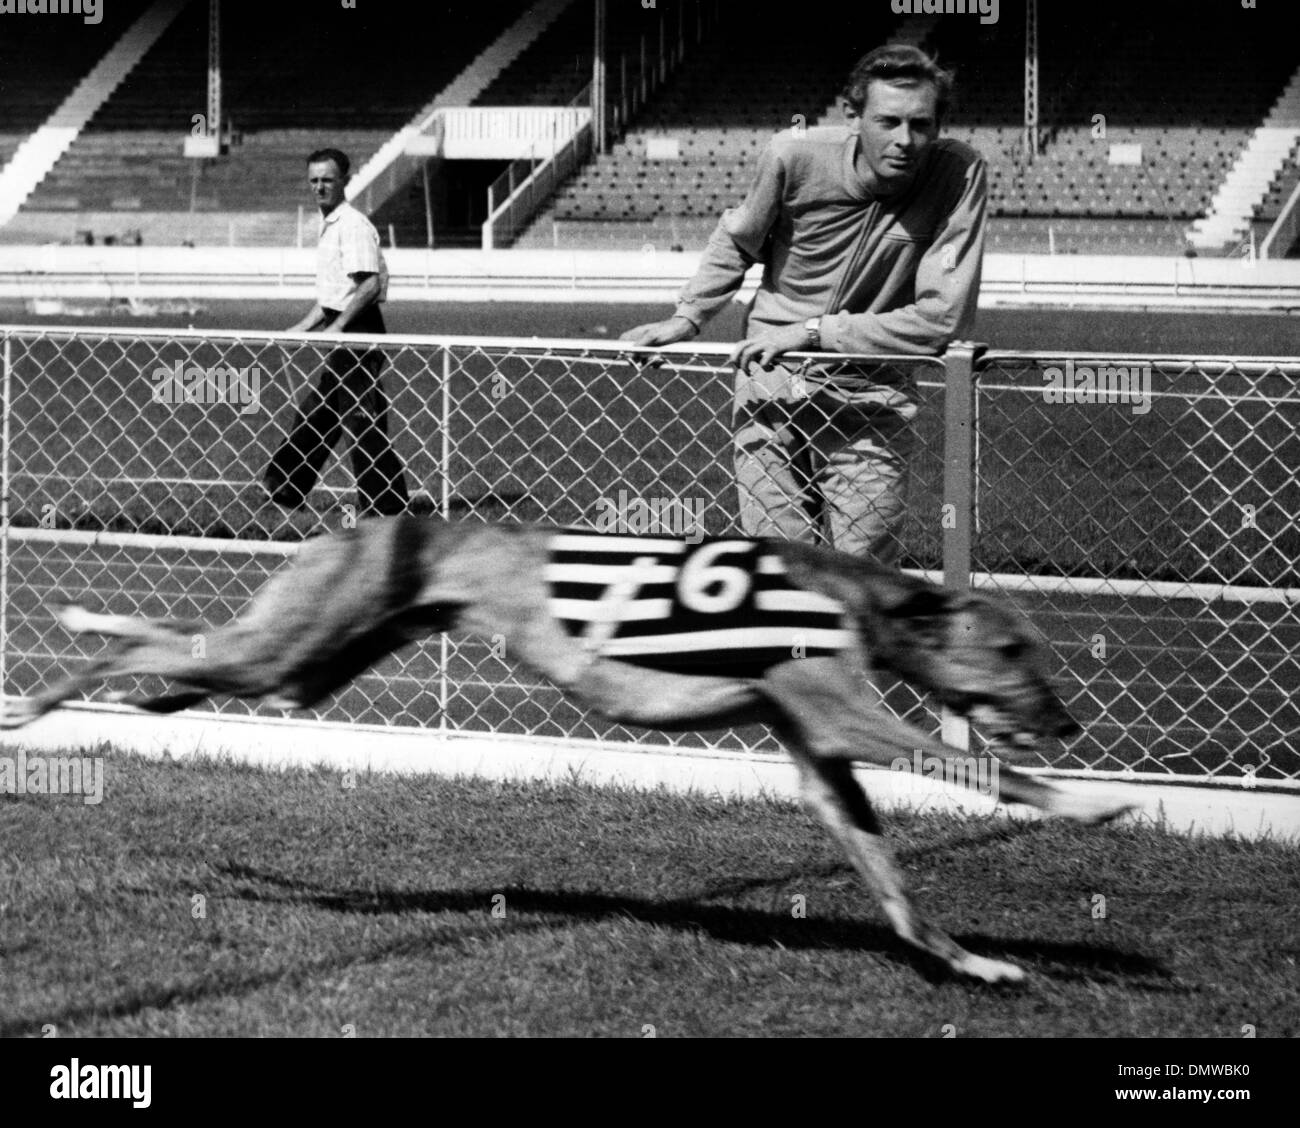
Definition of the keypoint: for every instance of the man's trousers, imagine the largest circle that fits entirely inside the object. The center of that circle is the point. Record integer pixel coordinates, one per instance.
(818, 463)
(349, 397)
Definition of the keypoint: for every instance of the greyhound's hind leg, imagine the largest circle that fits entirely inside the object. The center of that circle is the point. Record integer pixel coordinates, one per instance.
(27, 709)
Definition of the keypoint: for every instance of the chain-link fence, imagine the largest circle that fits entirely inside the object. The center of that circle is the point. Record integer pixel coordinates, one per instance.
(137, 465)
(1145, 513)
(171, 473)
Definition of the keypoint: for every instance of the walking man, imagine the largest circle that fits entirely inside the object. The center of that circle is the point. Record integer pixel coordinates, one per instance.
(351, 282)
(871, 242)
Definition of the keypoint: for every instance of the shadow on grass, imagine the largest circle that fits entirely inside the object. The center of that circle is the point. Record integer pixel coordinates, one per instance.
(553, 908)
(999, 831)
(750, 926)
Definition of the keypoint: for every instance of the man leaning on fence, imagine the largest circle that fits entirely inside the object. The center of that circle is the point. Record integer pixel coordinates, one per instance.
(351, 282)
(871, 242)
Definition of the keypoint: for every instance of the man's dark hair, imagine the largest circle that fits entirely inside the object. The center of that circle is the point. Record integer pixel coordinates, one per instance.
(901, 64)
(340, 160)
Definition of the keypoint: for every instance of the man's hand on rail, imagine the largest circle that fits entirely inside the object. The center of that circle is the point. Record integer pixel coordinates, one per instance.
(766, 347)
(667, 332)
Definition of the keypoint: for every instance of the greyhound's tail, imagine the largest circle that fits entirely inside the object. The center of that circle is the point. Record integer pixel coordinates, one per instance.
(77, 620)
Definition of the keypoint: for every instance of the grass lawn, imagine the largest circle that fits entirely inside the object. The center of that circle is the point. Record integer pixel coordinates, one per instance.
(324, 905)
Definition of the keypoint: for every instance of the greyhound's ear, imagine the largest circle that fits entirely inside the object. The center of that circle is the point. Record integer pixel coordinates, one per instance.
(919, 603)
(906, 616)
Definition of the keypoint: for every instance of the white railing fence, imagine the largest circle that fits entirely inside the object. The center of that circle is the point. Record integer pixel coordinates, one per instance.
(514, 196)
(523, 188)
(1285, 232)
(499, 132)
(635, 77)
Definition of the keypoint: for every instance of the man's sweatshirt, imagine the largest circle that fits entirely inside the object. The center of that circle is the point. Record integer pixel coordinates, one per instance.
(887, 274)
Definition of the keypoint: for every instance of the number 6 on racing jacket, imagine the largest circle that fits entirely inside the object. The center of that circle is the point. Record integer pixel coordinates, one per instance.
(645, 631)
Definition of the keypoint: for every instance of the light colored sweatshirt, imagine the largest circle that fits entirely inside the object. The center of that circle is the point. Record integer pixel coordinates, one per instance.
(897, 274)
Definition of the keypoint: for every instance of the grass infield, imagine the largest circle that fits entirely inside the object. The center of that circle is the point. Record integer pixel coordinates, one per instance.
(326, 905)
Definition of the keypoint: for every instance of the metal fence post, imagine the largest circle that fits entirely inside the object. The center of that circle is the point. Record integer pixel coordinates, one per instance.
(6, 391)
(957, 509)
(444, 468)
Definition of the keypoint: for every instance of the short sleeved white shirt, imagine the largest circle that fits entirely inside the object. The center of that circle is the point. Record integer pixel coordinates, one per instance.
(349, 244)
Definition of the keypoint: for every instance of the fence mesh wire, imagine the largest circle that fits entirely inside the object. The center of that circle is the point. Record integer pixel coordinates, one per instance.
(1154, 539)
(1094, 518)
(131, 434)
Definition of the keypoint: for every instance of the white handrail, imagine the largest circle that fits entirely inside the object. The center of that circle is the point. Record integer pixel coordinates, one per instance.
(1288, 223)
(523, 201)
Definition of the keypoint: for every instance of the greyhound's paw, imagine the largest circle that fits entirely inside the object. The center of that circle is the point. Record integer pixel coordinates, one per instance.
(1091, 809)
(1112, 811)
(16, 715)
(987, 970)
(73, 617)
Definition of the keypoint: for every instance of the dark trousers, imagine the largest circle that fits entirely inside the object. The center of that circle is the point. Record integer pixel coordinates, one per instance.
(350, 396)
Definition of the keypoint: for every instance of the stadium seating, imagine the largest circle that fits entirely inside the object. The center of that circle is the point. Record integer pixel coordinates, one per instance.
(284, 99)
(731, 95)
(1109, 77)
(38, 71)
(550, 71)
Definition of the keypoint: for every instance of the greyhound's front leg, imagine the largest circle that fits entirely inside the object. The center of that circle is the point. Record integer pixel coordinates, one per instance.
(833, 795)
(847, 723)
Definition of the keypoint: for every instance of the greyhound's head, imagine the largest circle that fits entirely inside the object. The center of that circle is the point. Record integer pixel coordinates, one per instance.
(976, 655)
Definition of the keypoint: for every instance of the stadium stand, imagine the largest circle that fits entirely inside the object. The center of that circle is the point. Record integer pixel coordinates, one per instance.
(554, 68)
(552, 71)
(731, 95)
(1108, 59)
(37, 70)
(1111, 83)
(285, 99)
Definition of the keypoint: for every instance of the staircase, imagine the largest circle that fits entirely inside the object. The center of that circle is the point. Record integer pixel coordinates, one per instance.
(461, 91)
(37, 155)
(1248, 181)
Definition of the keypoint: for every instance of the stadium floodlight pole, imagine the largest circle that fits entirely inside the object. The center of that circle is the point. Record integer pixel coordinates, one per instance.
(598, 79)
(623, 91)
(214, 70)
(663, 54)
(1031, 80)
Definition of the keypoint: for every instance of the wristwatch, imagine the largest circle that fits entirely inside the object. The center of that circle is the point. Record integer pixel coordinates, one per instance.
(813, 328)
